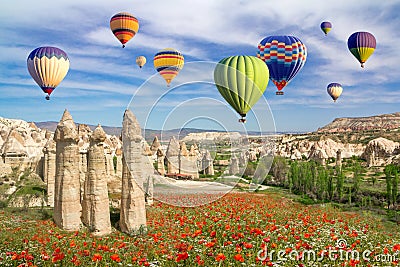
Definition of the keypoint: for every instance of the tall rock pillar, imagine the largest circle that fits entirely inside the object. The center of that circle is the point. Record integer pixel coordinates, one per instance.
(339, 159)
(49, 170)
(234, 165)
(118, 168)
(67, 206)
(160, 162)
(172, 156)
(188, 161)
(95, 204)
(207, 164)
(133, 211)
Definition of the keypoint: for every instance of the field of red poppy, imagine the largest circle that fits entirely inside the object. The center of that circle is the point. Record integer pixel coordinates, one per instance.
(240, 229)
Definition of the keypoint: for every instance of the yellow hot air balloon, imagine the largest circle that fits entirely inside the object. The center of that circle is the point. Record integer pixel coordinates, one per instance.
(168, 62)
(140, 61)
(124, 26)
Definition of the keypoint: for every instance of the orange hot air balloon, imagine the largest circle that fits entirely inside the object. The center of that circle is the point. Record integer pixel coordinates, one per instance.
(124, 26)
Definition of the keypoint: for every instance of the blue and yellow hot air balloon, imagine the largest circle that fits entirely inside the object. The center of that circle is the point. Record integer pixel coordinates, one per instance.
(326, 26)
(362, 45)
(124, 26)
(284, 56)
(334, 90)
(48, 67)
(241, 81)
(168, 62)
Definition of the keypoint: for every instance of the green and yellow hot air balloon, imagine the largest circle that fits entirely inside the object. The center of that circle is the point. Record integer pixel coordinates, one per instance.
(241, 81)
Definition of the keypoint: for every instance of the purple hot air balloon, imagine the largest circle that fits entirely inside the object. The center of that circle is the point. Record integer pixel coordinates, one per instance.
(326, 26)
(362, 45)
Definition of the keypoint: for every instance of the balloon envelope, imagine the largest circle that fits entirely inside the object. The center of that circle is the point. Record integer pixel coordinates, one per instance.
(241, 80)
(334, 90)
(48, 67)
(362, 45)
(168, 62)
(140, 61)
(124, 26)
(326, 26)
(284, 56)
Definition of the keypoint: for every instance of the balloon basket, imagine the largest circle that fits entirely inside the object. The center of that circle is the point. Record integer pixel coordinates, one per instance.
(47, 97)
(242, 120)
(279, 93)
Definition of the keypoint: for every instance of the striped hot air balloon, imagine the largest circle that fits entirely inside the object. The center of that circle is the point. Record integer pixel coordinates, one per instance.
(334, 90)
(284, 56)
(168, 62)
(362, 45)
(140, 61)
(326, 26)
(241, 81)
(48, 67)
(124, 26)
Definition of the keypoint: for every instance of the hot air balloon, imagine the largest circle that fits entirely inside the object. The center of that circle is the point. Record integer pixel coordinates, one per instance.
(284, 56)
(334, 90)
(326, 26)
(124, 26)
(48, 67)
(140, 61)
(168, 62)
(361, 45)
(241, 80)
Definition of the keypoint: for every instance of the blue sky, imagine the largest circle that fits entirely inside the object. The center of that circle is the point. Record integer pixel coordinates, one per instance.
(103, 77)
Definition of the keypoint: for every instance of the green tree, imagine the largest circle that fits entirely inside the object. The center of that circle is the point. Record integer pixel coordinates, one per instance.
(279, 169)
(389, 170)
(322, 183)
(395, 183)
(356, 177)
(339, 183)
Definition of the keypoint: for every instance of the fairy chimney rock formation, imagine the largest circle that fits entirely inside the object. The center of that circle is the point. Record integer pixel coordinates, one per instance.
(155, 145)
(67, 206)
(95, 204)
(380, 151)
(339, 158)
(160, 162)
(187, 162)
(207, 164)
(118, 168)
(234, 166)
(133, 212)
(147, 150)
(172, 156)
(49, 170)
(184, 151)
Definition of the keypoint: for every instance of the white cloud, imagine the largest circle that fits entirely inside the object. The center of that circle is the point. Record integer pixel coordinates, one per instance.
(205, 30)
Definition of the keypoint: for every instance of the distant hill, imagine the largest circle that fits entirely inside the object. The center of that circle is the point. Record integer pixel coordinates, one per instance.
(52, 125)
(379, 122)
(149, 133)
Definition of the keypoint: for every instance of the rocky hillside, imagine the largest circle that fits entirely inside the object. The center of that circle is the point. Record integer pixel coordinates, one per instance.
(385, 122)
(22, 144)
